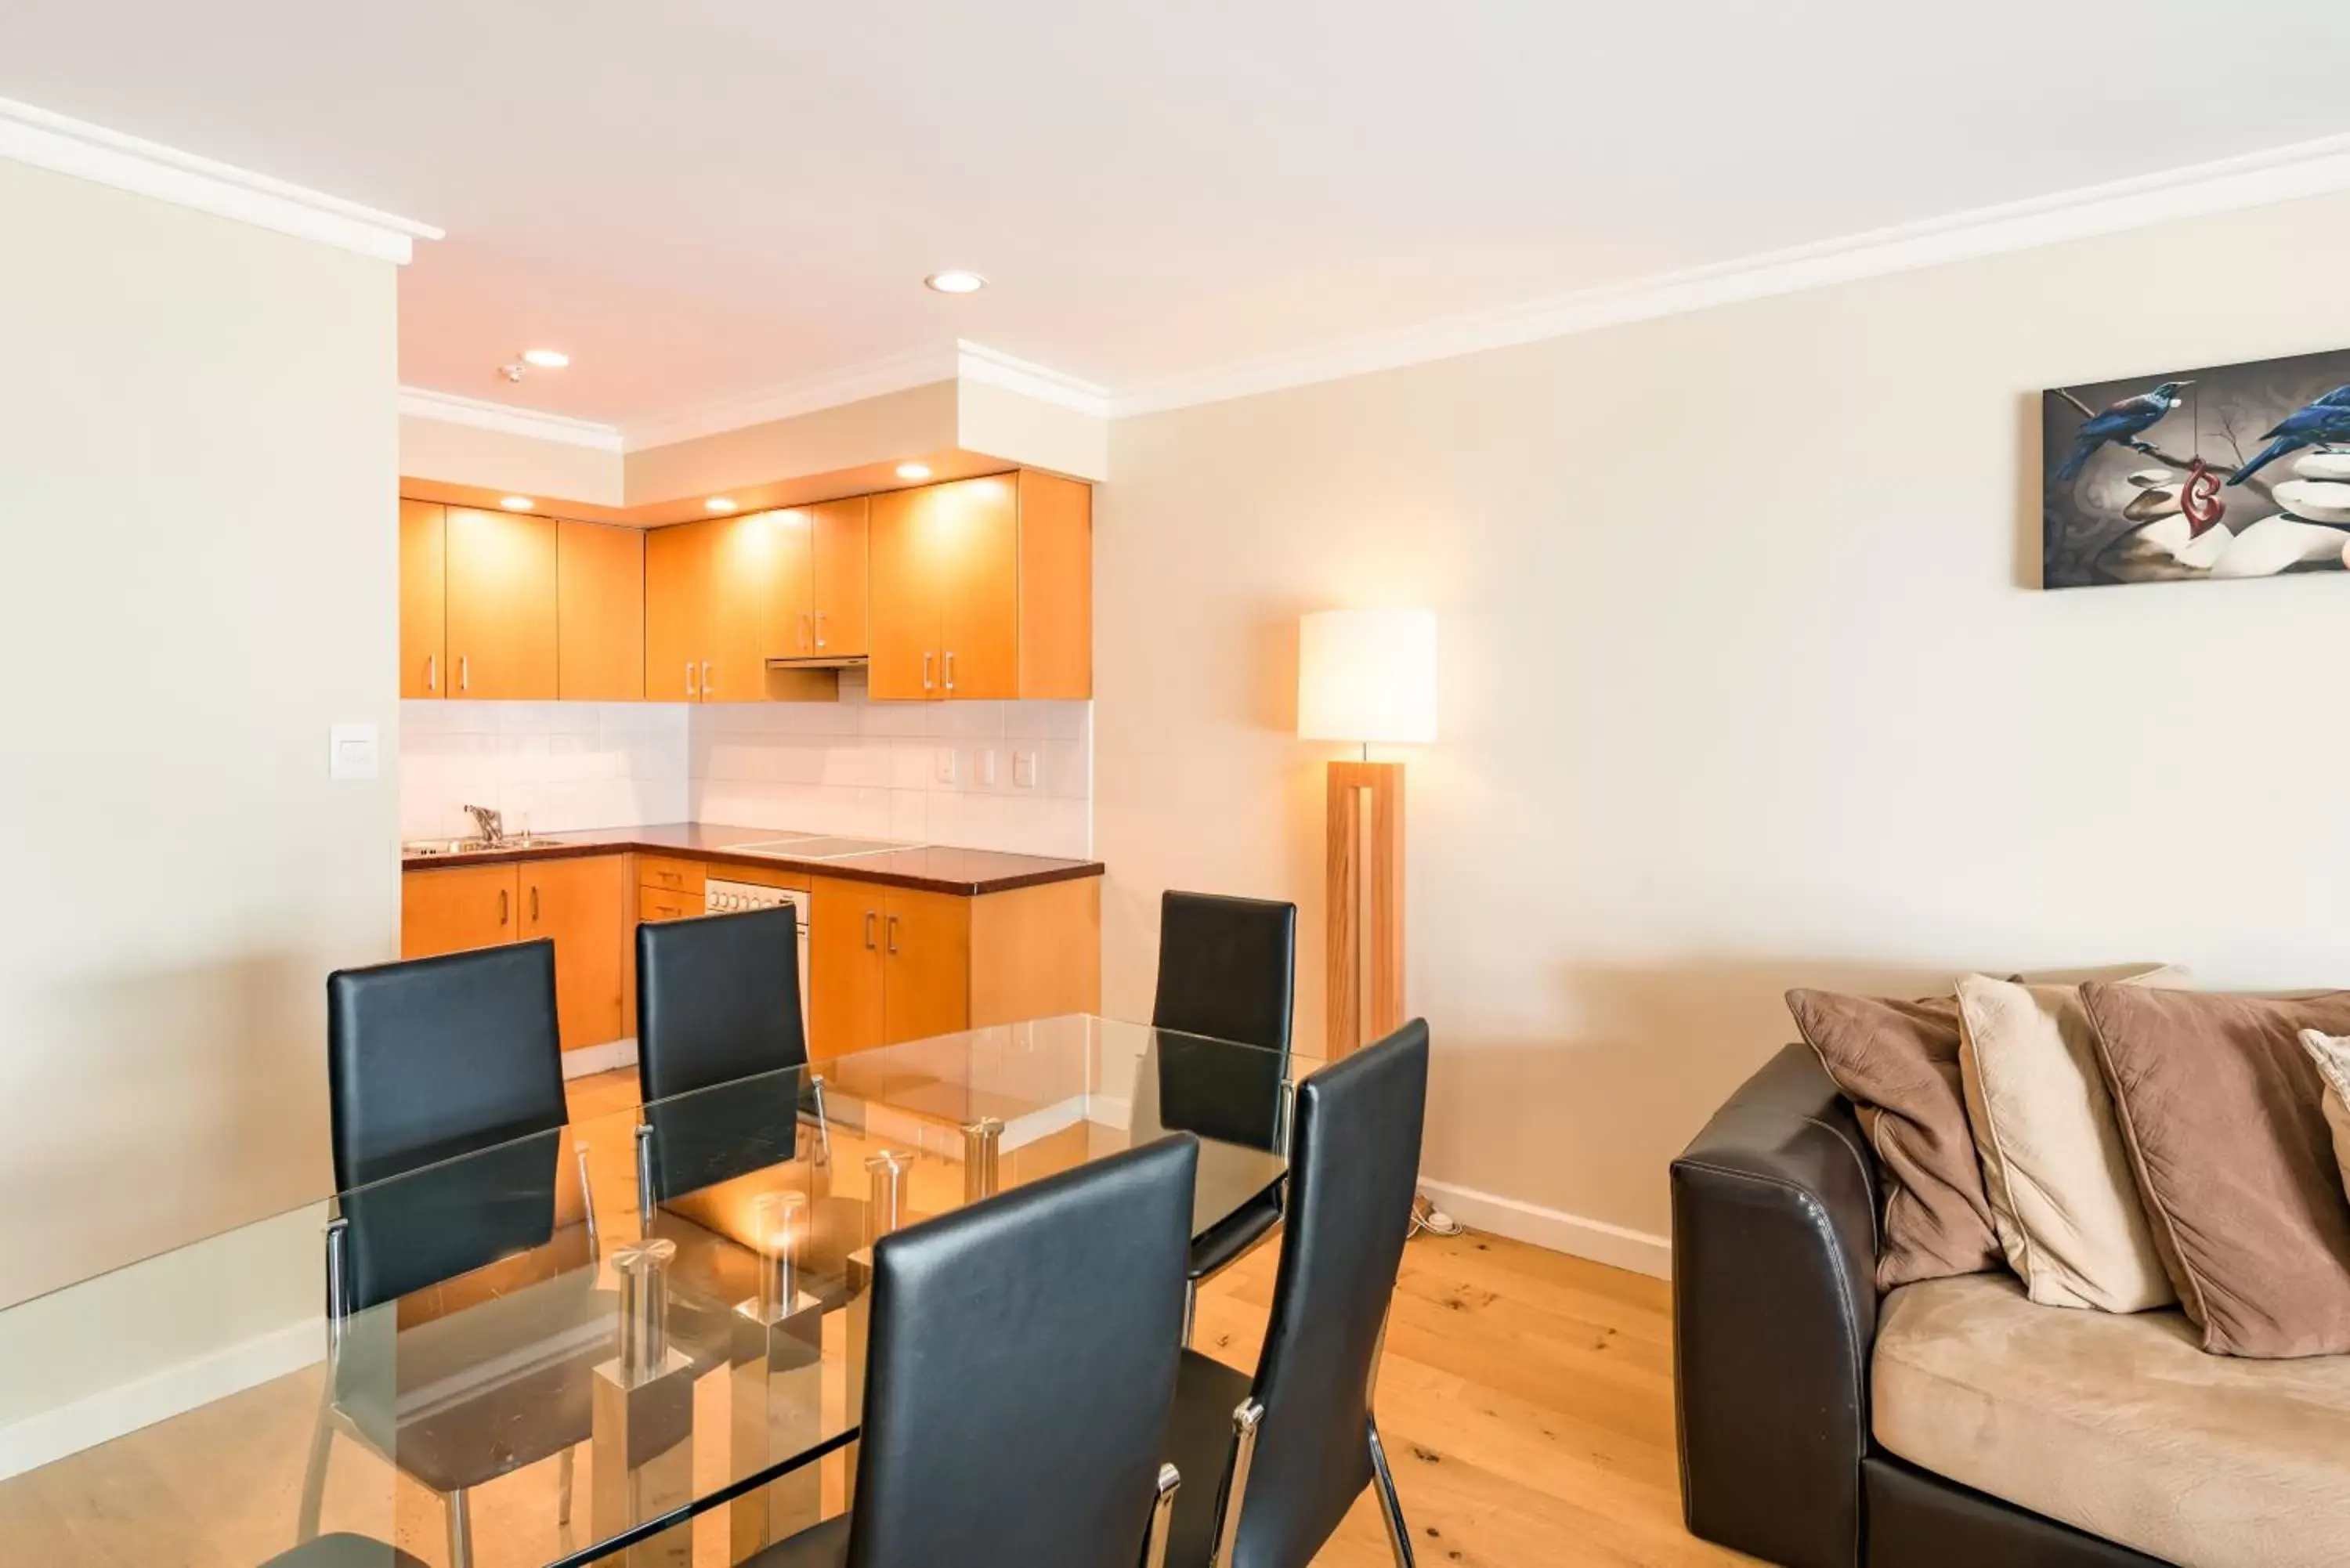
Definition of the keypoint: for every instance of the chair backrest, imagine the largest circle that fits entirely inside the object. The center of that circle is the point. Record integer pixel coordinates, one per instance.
(718, 999)
(1022, 1371)
(1354, 1165)
(1227, 968)
(429, 1060)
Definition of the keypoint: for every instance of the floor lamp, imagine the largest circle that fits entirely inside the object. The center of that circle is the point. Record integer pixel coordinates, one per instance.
(1366, 677)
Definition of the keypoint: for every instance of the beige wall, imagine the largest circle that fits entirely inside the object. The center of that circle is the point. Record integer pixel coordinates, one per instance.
(1741, 689)
(881, 430)
(196, 500)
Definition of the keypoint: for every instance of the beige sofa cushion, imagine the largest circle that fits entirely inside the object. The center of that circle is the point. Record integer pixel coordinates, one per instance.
(2063, 1199)
(2119, 1424)
(2331, 1054)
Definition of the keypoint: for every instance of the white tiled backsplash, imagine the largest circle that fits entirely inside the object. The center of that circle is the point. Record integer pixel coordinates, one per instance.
(547, 766)
(913, 771)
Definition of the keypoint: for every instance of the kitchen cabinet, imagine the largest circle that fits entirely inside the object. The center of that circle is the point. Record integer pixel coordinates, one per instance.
(502, 599)
(981, 589)
(846, 974)
(582, 905)
(722, 597)
(599, 621)
(424, 599)
(453, 909)
(926, 965)
(837, 573)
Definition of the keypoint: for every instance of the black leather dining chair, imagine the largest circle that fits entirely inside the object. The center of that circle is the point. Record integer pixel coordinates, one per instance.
(344, 1550)
(1293, 1447)
(1228, 969)
(1021, 1371)
(446, 1073)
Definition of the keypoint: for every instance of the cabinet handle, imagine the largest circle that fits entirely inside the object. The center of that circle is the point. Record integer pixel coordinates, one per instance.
(465, 672)
(707, 686)
(807, 621)
(502, 905)
(893, 933)
(433, 673)
(926, 656)
(691, 689)
(869, 931)
(533, 903)
(819, 628)
(950, 669)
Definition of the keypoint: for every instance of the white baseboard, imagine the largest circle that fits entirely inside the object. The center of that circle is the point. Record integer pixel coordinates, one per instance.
(100, 1417)
(1616, 1245)
(590, 1059)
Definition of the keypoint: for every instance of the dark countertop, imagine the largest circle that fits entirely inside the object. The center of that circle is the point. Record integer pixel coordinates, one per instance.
(936, 869)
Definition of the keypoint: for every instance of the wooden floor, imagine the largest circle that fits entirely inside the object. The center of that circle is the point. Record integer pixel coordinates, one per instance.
(1525, 1399)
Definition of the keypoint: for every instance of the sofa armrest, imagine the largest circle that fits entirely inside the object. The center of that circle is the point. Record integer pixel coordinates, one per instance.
(1774, 1312)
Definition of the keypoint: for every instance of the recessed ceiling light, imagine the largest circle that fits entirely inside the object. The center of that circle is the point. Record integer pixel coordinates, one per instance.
(955, 280)
(913, 470)
(547, 359)
(516, 503)
(719, 503)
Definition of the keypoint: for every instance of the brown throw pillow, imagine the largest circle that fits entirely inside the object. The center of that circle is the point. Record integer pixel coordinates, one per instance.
(1897, 1062)
(2220, 1110)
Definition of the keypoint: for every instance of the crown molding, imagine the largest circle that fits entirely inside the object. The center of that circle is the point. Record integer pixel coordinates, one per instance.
(87, 151)
(419, 403)
(977, 362)
(874, 378)
(2279, 175)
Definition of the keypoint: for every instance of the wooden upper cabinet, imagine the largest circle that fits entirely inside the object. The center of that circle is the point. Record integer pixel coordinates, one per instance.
(976, 531)
(501, 604)
(981, 589)
(837, 597)
(600, 613)
(758, 601)
(424, 599)
(456, 908)
(677, 589)
(584, 906)
(1056, 586)
(903, 597)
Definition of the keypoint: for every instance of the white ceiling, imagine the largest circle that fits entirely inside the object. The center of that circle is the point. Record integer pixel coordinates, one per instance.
(704, 198)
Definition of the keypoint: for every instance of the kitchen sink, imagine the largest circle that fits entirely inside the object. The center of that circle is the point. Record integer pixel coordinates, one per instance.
(450, 847)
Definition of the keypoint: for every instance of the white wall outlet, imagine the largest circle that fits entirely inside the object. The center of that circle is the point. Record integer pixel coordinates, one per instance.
(943, 766)
(352, 752)
(983, 767)
(1023, 769)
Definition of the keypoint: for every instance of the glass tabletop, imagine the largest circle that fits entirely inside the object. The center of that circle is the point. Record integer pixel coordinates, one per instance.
(639, 1332)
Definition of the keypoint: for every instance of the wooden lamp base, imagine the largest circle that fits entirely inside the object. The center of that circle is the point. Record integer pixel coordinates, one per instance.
(1363, 941)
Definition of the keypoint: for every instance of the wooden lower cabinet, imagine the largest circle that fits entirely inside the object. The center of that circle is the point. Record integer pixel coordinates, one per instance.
(925, 964)
(845, 965)
(451, 910)
(582, 905)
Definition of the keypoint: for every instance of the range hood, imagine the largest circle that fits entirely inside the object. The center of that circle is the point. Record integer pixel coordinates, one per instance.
(820, 661)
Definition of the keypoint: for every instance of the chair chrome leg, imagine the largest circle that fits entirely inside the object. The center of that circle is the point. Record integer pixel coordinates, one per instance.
(1245, 1422)
(1390, 1506)
(1162, 1514)
(562, 1467)
(314, 1476)
(460, 1531)
(645, 1180)
(1190, 1309)
(823, 1122)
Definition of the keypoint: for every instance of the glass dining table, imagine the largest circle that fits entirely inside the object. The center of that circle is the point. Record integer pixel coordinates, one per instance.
(639, 1337)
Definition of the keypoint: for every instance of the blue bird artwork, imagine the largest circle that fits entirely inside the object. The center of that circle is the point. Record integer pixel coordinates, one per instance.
(2319, 422)
(2126, 423)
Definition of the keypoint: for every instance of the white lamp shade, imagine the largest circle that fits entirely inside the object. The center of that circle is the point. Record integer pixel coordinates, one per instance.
(1366, 675)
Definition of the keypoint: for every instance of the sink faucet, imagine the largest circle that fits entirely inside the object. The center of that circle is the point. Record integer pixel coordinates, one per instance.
(492, 827)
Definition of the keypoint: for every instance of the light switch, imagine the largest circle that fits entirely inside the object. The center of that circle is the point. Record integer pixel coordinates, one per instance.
(983, 767)
(945, 765)
(351, 752)
(1023, 769)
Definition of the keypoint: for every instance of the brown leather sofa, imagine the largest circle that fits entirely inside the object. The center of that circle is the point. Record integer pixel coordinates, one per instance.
(1775, 1208)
